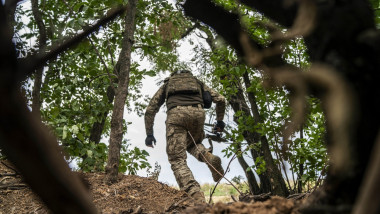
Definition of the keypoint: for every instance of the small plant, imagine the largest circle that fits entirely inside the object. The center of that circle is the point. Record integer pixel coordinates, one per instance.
(132, 160)
(156, 172)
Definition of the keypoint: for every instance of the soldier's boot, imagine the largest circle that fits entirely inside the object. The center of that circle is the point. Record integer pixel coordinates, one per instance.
(199, 197)
(216, 164)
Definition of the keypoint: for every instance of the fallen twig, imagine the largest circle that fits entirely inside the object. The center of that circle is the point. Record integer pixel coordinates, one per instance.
(13, 186)
(2, 162)
(8, 174)
(252, 198)
(297, 196)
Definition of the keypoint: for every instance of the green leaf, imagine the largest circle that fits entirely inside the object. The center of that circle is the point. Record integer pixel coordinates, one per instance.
(89, 153)
(80, 136)
(64, 133)
(74, 129)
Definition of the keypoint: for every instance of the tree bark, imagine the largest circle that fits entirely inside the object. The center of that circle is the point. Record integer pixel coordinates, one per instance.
(277, 176)
(252, 182)
(42, 37)
(29, 145)
(124, 61)
(353, 51)
(301, 166)
(10, 9)
(271, 180)
(97, 127)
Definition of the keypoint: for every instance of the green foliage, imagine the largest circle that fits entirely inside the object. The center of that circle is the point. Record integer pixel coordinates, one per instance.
(75, 93)
(132, 160)
(95, 156)
(225, 72)
(376, 7)
(75, 90)
(240, 183)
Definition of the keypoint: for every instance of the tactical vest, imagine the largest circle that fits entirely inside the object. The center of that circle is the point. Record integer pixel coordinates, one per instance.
(183, 89)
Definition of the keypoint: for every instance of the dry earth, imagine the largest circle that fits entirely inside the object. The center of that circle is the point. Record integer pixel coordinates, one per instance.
(131, 194)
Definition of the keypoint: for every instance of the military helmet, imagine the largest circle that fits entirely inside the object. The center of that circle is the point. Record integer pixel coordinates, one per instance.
(180, 71)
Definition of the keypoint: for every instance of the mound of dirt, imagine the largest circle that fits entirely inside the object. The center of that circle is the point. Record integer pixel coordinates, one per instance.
(131, 194)
(274, 205)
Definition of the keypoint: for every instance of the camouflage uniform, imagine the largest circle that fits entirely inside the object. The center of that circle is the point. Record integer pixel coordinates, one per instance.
(181, 120)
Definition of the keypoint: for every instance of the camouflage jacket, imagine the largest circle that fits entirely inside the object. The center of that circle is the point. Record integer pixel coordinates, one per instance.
(159, 99)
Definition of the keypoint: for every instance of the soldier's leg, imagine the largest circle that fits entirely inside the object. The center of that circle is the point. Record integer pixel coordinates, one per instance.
(196, 136)
(198, 150)
(176, 150)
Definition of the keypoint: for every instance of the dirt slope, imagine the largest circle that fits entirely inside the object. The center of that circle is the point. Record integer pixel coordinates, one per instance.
(132, 194)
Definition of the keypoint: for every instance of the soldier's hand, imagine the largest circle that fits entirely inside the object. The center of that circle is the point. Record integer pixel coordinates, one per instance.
(219, 127)
(149, 141)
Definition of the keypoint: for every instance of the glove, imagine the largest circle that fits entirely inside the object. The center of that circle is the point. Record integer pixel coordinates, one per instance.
(149, 140)
(219, 127)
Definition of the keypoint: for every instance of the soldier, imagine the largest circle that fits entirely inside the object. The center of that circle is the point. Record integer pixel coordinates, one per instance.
(184, 98)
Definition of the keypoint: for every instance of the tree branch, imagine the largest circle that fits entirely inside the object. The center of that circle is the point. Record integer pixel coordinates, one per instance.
(13, 186)
(31, 63)
(276, 10)
(104, 63)
(12, 168)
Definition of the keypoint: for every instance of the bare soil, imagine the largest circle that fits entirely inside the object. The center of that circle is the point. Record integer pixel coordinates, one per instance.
(131, 194)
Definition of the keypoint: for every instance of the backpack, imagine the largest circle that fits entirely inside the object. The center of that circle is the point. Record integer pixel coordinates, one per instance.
(185, 83)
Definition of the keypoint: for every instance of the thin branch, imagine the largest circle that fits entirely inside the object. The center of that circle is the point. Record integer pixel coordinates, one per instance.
(96, 50)
(104, 63)
(228, 167)
(100, 75)
(188, 31)
(8, 174)
(13, 186)
(109, 50)
(2, 162)
(30, 64)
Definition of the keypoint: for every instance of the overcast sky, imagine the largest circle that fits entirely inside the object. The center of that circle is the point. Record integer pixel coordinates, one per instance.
(136, 131)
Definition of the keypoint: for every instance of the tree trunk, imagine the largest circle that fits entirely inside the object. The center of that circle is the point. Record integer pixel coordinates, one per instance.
(301, 166)
(97, 127)
(116, 135)
(29, 145)
(277, 176)
(272, 175)
(253, 185)
(353, 51)
(10, 9)
(36, 98)
(271, 180)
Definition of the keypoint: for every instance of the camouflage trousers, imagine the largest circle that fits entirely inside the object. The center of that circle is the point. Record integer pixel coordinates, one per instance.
(180, 121)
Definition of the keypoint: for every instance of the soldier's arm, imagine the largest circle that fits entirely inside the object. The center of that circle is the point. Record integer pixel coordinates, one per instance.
(220, 102)
(154, 105)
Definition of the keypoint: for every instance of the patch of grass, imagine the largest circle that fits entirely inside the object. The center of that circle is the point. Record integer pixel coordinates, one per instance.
(223, 189)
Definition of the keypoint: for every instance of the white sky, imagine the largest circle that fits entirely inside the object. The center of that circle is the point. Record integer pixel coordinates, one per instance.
(136, 133)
